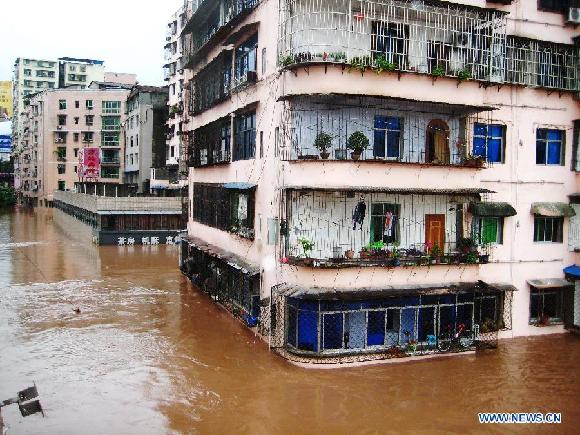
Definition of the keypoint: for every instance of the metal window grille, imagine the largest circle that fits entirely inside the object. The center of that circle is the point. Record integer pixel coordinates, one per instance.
(212, 143)
(408, 132)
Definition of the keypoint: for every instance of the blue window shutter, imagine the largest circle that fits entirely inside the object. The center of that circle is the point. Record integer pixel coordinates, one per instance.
(379, 143)
(554, 153)
(480, 129)
(554, 135)
(540, 152)
(494, 150)
(393, 138)
(479, 146)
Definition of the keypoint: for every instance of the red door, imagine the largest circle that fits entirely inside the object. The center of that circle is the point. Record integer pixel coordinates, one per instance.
(435, 230)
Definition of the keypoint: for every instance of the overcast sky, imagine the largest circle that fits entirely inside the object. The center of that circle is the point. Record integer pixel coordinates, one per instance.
(128, 35)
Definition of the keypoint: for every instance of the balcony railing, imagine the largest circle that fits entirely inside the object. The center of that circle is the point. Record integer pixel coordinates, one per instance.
(395, 131)
(203, 27)
(428, 37)
(380, 227)
(212, 85)
(211, 144)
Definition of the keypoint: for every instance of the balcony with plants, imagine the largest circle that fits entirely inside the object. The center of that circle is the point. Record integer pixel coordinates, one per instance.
(435, 38)
(382, 227)
(379, 130)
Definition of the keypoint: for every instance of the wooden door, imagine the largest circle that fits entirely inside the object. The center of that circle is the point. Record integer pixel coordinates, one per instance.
(435, 230)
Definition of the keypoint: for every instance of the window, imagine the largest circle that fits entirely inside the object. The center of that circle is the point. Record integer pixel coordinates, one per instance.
(75, 138)
(76, 150)
(548, 229)
(385, 222)
(261, 144)
(89, 104)
(390, 40)
(61, 120)
(488, 142)
(62, 104)
(61, 170)
(77, 104)
(88, 136)
(72, 68)
(136, 140)
(549, 147)
(245, 136)
(111, 123)
(111, 107)
(131, 141)
(61, 185)
(109, 172)
(246, 57)
(76, 120)
(546, 305)
(551, 5)
(387, 137)
(110, 139)
(89, 119)
(264, 61)
(27, 72)
(488, 230)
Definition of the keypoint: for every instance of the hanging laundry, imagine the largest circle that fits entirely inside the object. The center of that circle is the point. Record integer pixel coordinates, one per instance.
(389, 223)
(358, 216)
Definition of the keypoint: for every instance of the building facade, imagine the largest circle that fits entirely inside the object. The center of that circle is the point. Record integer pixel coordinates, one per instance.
(80, 72)
(70, 135)
(374, 178)
(174, 175)
(145, 134)
(5, 100)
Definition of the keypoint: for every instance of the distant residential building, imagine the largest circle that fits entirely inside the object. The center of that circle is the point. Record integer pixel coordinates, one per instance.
(124, 78)
(145, 134)
(58, 127)
(5, 100)
(173, 71)
(79, 72)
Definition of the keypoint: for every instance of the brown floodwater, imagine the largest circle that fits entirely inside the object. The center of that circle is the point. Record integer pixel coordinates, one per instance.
(149, 354)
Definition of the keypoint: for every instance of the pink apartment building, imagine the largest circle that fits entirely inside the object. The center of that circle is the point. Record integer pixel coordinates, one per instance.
(369, 179)
(57, 125)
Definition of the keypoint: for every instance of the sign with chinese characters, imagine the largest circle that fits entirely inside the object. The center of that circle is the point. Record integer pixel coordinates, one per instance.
(89, 163)
(130, 241)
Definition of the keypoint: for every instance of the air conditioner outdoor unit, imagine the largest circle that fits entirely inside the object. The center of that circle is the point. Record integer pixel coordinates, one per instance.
(574, 15)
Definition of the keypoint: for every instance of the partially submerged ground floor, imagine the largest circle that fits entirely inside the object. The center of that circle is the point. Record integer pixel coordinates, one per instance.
(326, 325)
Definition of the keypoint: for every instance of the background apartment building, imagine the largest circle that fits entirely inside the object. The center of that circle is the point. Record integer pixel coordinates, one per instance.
(80, 72)
(145, 134)
(57, 125)
(175, 172)
(368, 176)
(5, 100)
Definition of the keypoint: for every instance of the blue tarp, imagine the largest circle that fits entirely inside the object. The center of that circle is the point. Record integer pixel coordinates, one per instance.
(572, 271)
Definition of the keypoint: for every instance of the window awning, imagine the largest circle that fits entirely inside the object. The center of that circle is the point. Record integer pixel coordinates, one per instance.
(572, 271)
(239, 186)
(552, 209)
(391, 291)
(227, 257)
(492, 209)
(549, 283)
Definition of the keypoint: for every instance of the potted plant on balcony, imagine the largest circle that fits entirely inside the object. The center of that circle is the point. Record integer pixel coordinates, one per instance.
(349, 254)
(322, 142)
(396, 256)
(436, 253)
(357, 143)
(307, 247)
(381, 64)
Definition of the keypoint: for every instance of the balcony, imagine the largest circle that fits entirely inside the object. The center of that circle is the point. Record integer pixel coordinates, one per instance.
(382, 227)
(208, 23)
(437, 38)
(392, 131)
(211, 144)
(212, 84)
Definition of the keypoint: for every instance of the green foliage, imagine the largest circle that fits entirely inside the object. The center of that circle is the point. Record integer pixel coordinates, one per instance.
(464, 74)
(287, 60)
(7, 196)
(382, 64)
(307, 246)
(322, 141)
(436, 251)
(360, 63)
(338, 57)
(438, 72)
(357, 142)
(471, 258)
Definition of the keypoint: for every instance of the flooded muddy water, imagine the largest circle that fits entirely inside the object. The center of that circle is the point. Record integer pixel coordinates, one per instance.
(149, 354)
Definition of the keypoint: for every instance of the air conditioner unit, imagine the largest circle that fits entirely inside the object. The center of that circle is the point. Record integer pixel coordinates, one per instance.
(574, 15)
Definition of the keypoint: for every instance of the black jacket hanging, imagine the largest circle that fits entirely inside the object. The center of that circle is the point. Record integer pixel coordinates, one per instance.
(358, 216)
